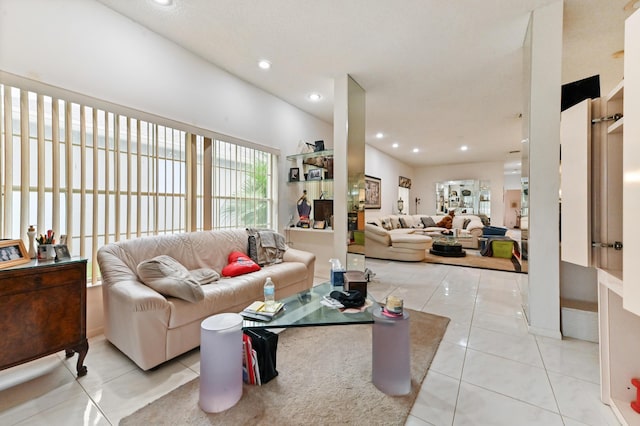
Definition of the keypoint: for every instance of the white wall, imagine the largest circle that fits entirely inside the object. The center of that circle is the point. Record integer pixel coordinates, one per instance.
(388, 169)
(424, 185)
(512, 181)
(87, 48)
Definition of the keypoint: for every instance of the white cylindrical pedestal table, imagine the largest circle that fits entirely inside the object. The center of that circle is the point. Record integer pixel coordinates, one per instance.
(220, 362)
(391, 351)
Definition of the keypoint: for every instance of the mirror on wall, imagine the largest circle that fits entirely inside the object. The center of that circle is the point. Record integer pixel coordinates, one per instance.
(471, 196)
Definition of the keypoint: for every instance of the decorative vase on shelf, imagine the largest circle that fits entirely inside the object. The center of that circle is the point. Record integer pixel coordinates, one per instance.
(31, 233)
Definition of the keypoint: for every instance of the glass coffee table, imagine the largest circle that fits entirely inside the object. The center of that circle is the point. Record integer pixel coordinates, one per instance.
(305, 310)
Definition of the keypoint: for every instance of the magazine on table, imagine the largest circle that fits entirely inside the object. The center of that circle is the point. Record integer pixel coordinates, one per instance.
(259, 311)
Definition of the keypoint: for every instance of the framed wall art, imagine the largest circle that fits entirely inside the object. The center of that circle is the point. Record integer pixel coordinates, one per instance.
(373, 191)
(404, 182)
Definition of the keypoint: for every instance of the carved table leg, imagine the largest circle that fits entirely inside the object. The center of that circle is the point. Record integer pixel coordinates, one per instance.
(82, 350)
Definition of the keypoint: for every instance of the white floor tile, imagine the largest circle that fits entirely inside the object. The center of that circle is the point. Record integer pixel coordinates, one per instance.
(519, 381)
(122, 396)
(517, 348)
(436, 402)
(414, 421)
(34, 396)
(515, 325)
(580, 400)
(449, 360)
(457, 333)
(79, 408)
(104, 362)
(478, 406)
(567, 361)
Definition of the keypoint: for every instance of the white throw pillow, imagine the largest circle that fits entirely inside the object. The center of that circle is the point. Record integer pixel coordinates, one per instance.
(168, 277)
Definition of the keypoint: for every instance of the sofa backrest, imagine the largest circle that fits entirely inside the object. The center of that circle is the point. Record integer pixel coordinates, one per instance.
(194, 250)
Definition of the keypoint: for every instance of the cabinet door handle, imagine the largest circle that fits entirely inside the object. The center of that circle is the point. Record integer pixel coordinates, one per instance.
(617, 245)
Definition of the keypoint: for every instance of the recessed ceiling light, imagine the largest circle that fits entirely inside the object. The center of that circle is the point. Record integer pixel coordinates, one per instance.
(464, 148)
(379, 135)
(315, 97)
(264, 64)
(416, 150)
(395, 145)
(163, 2)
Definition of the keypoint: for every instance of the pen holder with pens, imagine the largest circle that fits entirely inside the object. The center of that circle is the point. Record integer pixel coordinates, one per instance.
(46, 244)
(46, 252)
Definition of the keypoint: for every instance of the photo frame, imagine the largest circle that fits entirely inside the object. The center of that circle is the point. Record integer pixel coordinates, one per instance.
(404, 182)
(315, 174)
(373, 192)
(294, 174)
(12, 253)
(62, 252)
(319, 224)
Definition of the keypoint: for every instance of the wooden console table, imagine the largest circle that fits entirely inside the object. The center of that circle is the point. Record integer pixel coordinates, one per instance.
(43, 305)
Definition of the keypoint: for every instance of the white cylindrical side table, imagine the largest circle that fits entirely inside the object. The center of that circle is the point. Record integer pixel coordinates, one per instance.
(220, 362)
(391, 352)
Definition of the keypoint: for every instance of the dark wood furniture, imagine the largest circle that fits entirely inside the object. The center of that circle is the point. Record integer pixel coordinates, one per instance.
(43, 311)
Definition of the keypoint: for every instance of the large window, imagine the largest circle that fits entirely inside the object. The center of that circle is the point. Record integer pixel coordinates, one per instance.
(98, 176)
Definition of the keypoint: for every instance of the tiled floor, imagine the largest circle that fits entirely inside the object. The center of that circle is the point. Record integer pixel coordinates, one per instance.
(487, 371)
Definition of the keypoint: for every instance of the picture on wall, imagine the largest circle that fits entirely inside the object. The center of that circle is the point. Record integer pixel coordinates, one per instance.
(373, 191)
(404, 182)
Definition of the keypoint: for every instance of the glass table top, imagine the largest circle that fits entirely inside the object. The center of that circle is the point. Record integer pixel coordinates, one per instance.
(305, 310)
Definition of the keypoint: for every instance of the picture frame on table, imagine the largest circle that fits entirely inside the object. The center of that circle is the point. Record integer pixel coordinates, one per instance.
(62, 252)
(12, 253)
(319, 224)
(294, 174)
(373, 192)
(315, 174)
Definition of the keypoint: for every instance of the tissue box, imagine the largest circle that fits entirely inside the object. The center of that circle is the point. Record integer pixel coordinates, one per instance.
(355, 280)
(337, 277)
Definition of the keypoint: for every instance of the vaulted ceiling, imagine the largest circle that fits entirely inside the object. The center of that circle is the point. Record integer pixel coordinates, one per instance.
(437, 75)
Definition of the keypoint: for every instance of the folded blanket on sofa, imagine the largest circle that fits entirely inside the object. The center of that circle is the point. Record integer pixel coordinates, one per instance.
(265, 246)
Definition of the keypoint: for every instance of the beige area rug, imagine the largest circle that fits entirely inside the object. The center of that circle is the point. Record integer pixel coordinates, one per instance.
(324, 379)
(474, 259)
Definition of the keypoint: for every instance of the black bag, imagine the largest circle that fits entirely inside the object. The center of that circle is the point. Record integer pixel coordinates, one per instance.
(349, 298)
(265, 343)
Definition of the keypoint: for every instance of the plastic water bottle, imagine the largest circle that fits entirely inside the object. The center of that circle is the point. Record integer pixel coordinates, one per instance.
(269, 293)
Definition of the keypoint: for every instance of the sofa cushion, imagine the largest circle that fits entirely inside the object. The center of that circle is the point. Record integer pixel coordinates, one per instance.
(395, 222)
(205, 275)
(466, 223)
(386, 224)
(428, 222)
(458, 222)
(239, 264)
(404, 223)
(168, 277)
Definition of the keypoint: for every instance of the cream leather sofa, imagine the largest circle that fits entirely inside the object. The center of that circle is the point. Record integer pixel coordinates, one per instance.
(397, 244)
(151, 328)
(396, 225)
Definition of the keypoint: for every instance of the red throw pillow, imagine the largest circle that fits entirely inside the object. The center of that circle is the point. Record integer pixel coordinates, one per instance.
(239, 264)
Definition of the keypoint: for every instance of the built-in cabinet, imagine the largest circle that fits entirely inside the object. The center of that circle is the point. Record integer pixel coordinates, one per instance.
(315, 175)
(464, 196)
(619, 272)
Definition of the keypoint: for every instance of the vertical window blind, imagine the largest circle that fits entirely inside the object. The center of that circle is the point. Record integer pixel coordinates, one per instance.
(99, 177)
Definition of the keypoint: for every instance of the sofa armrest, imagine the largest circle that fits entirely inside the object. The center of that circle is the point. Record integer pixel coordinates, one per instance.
(294, 255)
(134, 296)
